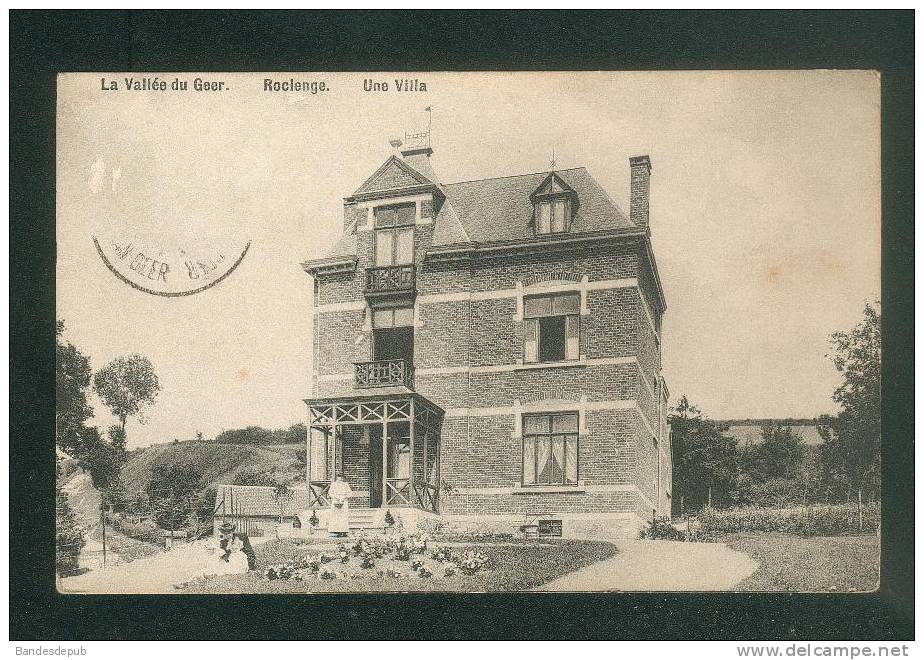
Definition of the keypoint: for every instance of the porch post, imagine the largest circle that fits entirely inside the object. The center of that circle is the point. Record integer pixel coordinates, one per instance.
(334, 432)
(411, 492)
(436, 463)
(385, 459)
(426, 441)
(310, 431)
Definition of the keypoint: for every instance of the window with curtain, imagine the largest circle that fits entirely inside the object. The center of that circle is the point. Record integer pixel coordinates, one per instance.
(394, 234)
(552, 328)
(553, 215)
(550, 450)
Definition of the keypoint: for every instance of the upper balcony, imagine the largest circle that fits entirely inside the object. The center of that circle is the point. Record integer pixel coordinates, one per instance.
(382, 373)
(391, 279)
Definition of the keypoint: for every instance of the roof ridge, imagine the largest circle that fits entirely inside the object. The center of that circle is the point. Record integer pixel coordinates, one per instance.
(511, 176)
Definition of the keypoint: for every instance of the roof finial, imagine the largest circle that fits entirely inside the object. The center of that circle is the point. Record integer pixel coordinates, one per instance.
(552, 161)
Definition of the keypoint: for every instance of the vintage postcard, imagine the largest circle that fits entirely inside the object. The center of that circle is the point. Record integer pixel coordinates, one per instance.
(468, 332)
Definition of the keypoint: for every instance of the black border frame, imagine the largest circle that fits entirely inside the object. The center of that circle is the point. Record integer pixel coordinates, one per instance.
(43, 43)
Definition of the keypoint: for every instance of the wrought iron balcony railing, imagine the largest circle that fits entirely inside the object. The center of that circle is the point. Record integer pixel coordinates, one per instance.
(389, 279)
(384, 372)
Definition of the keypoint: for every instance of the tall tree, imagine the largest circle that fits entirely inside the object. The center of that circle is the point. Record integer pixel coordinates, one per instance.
(171, 491)
(72, 381)
(128, 386)
(852, 438)
(705, 459)
(778, 455)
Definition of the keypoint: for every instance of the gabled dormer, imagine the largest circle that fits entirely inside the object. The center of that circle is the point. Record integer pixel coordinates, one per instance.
(391, 215)
(554, 206)
(393, 176)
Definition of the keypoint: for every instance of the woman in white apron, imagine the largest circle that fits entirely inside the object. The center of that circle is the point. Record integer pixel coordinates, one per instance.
(339, 521)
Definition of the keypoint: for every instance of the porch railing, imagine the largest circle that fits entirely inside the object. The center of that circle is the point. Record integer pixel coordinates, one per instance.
(423, 496)
(427, 497)
(384, 372)
(318, 493)
(398, 492)
(387, 279)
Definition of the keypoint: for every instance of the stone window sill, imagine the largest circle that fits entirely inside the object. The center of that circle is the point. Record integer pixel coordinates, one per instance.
(551, 365)
(527, 490)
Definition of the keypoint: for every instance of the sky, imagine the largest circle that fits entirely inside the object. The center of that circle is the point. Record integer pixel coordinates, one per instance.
(765, 217)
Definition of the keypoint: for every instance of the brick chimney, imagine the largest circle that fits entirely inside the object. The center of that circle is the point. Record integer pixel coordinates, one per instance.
(640, 168)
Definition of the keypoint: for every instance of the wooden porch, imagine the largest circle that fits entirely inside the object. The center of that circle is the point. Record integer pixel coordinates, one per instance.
(386, 446)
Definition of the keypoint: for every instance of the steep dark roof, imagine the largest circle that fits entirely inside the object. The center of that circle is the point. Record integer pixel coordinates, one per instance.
(490, 210)
(500, 209)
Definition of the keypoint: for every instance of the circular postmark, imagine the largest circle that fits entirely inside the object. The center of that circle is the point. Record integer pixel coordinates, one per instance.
(166, 236)
(168, 271)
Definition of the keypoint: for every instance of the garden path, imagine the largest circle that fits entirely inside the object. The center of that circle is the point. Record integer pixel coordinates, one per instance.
(661, 566)
(156, 574)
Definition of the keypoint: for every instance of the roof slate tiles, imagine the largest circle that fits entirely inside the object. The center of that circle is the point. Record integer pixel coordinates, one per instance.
(495, 210)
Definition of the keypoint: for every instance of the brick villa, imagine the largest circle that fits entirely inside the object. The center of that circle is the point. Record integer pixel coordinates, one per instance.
(489, 352)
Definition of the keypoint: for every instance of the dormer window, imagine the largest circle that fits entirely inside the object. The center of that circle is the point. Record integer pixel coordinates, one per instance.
(552, 215)
(553, 206)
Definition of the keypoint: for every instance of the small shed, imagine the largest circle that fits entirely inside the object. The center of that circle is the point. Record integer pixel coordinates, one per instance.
(259, 510)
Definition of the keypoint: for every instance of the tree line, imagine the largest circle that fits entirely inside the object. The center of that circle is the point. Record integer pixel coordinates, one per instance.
(257, 435)
(128, 386)
(711, 468)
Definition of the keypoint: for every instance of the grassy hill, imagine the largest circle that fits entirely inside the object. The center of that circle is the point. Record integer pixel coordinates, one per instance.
(219, 463)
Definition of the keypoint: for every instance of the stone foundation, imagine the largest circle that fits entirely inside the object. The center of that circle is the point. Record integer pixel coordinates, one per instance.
(574, 525)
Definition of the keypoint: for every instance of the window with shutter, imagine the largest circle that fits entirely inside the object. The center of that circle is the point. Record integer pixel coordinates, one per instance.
(552, 328)
(552, 215)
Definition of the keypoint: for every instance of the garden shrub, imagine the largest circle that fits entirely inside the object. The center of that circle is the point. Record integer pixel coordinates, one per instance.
(431, 526)
(831, 520)
(661, 529)
(471, 562)
(145, 530)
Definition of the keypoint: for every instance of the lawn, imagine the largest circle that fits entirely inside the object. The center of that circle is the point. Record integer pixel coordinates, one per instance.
(509, 567)
(809, 564)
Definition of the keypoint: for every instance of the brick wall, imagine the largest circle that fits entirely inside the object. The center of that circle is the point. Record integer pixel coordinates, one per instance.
(600, 263)
(441, 337)
(339, 288)
(341, 342)
(495, 337)
(477, 451)
(599, 383)
(489, 456)
(611, 329)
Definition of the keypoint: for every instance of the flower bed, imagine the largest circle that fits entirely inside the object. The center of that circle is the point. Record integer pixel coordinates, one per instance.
(363, 554)
(402, 564)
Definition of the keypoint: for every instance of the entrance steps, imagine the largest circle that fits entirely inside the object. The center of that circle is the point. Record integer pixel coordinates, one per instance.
(367, 518)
